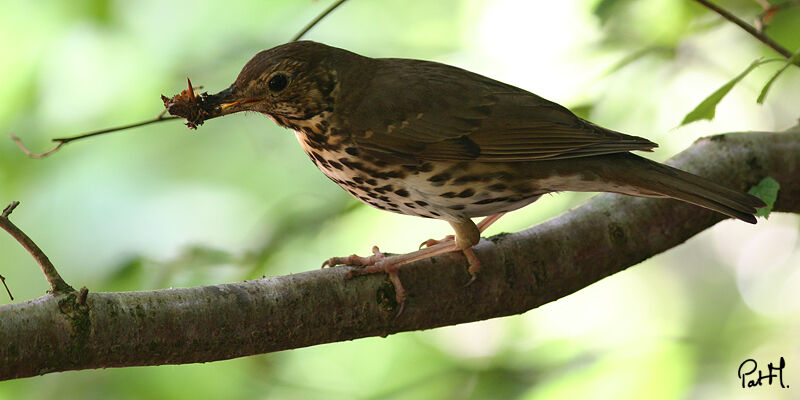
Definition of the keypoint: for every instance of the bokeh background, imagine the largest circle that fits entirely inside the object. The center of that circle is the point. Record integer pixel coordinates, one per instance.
(161, 206)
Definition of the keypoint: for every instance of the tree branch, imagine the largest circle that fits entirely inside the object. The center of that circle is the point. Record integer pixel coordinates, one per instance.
(317, 20)
(57, 284)
(749, 29)
(521, 271)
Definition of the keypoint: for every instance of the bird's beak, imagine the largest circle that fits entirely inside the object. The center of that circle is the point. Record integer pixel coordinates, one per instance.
(200, 108)
(230, 101)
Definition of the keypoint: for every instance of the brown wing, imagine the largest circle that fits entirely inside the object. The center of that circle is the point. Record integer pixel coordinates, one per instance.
(420, 110)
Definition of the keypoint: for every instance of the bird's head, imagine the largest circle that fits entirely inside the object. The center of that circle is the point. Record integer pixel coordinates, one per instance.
(291, 82)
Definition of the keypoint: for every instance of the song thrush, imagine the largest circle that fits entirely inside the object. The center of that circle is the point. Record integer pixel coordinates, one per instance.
(436, 141)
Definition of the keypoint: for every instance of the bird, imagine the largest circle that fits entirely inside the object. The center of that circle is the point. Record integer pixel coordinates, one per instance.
(432, 140)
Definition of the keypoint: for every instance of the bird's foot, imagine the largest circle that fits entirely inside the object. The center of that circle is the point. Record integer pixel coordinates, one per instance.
(433, 242)
(377, 262)
(474, 263)
(391, 269)
(356, 260)
(380, 262)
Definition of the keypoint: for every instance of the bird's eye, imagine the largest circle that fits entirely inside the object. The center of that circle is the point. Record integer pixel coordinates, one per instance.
(278, 83)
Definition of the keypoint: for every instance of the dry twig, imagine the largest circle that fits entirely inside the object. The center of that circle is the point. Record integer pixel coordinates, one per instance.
(57, 284)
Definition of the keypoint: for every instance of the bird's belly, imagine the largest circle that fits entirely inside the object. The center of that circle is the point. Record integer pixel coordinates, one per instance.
(448, 191)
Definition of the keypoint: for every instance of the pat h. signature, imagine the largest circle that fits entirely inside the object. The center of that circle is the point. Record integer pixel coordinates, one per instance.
(752, 376)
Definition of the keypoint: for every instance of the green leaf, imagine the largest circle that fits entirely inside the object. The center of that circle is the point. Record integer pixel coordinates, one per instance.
(708, 107)
(766, 190)
(793, 59)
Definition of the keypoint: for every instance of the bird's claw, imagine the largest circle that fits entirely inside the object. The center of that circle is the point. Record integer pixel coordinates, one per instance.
(434, 242)
(356, 260)
(377, 262)
(474, 265)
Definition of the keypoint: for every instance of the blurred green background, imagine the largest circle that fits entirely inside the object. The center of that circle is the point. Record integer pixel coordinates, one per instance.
(161, 206)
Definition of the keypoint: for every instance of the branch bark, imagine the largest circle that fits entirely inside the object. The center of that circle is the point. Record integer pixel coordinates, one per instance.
(521, 271)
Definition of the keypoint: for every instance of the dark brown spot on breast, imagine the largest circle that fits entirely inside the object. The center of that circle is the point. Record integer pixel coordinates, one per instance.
(401, 193)
(456, 207)
(384, 189)
(318, 159)
(352, 164)
(439, 179)
(352, 151)
(336, 165)
(380, 163)
(466, 179)
(497, 187)
(421, 203)
(466, 193)
(388, 174)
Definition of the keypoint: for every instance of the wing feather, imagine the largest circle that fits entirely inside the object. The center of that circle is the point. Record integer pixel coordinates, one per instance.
(426, 111)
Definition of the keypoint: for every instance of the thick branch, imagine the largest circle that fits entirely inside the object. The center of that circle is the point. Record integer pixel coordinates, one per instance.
(521, 271)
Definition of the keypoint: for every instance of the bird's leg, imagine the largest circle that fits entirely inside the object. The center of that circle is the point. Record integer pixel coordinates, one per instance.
(488, 221)
(485, 223)
(390, 265)
(467, 234)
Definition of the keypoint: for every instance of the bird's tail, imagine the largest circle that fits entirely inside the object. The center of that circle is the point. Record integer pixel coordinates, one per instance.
(643, 177)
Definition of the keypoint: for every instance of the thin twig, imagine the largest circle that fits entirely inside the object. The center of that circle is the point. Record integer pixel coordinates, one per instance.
(3, 279)
(32, 154)
(118, 128)
(62, 141)
(9, 209)
(748, 28)
(57, 284)
(316, 20)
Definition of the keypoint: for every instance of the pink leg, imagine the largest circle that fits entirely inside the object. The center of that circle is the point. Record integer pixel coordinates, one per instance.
(488, 221)
(379, 262)
(482, 226)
